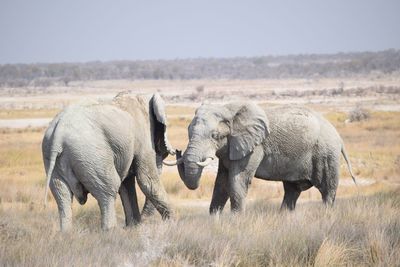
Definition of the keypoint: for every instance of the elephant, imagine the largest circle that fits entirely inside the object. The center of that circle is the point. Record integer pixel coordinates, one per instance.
(101, 149)
(292, 144)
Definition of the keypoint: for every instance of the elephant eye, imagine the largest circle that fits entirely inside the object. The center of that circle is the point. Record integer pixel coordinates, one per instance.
(215, 135)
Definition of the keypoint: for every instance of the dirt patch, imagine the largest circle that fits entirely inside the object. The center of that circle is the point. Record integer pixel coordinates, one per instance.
(25, 123)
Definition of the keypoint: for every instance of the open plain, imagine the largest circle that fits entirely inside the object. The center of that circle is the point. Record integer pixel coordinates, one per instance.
(363, 228)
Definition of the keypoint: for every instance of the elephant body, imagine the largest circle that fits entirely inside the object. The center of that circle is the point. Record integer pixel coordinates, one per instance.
(298, 137)
(102, 149)
(294, 145)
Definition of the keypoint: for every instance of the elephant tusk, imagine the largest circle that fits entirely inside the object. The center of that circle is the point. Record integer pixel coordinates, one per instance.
(205, 163)
(171, 151)
(173, 163)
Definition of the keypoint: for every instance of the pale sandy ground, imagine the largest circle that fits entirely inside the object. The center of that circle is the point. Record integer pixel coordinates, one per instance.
(271, 91)
(24, 123)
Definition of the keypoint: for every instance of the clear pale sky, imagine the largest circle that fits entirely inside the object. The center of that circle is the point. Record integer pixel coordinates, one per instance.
(86, 30)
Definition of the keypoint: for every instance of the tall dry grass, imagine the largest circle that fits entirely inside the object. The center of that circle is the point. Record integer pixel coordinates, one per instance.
(362, 231)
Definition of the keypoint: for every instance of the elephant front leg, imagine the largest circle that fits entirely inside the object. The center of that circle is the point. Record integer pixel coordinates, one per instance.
(63, 197)
(238, 191)
(240, 174)
(220, 193)
(149, 182)
(148, 208)
(128, 195)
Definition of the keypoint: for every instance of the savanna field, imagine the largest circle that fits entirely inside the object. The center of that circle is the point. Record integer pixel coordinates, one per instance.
(362, 229)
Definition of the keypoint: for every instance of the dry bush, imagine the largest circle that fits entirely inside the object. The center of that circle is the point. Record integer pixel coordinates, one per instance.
(358, 114)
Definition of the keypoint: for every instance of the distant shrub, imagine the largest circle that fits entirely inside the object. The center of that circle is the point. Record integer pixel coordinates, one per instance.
(200, 89)
(397, 162)
(358, 114)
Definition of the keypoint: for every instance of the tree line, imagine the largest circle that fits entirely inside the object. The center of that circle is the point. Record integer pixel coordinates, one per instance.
(338, 65)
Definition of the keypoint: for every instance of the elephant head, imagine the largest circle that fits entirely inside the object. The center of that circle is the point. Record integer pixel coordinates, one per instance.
(157, 111)
(229, 132)
(153, 107)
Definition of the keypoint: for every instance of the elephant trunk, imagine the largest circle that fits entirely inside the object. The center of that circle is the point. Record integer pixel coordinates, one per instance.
(189, 170)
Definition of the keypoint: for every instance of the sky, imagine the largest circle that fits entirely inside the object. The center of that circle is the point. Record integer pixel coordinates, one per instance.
(90, 30)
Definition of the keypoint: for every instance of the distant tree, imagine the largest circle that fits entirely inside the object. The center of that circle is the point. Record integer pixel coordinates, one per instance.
(339, 65)
(66, 80)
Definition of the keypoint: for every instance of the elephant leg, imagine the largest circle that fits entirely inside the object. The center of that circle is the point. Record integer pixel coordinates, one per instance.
(329, 181)
(148, 208)
(220, 193)
(63, 197)
(105, 193)
(238, 187)
(149, 182)
(292, 193)
(330, 185)
(240, 174)
(107, 209)
(128, 196)
(76, 187)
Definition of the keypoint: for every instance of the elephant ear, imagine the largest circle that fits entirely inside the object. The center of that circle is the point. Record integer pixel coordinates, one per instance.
(249, 128)
(161, 142)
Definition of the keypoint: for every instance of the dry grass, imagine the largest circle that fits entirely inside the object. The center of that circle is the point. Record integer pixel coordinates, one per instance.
(27, 113)
(360, 231)
(373, 144)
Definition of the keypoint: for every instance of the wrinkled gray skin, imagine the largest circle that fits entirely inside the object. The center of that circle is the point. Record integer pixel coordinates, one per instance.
(290, 144)
(102, 149)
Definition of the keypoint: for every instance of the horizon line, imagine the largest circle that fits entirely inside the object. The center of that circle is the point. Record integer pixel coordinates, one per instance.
(201, 58)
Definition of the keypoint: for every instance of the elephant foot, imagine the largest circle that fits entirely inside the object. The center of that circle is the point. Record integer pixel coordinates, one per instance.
(148, 210)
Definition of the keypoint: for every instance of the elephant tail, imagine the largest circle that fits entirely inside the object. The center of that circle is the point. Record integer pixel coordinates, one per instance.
(348, 165)
(53, 159)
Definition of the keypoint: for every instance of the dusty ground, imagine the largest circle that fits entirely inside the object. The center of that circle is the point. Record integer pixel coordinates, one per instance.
(190, 92)
(25, 111)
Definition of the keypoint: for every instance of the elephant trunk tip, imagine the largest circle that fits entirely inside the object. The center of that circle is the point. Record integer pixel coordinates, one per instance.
(192, 186)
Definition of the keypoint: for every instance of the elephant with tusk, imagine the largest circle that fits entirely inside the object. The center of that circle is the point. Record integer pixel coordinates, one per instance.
(103, 149)
(294, 145)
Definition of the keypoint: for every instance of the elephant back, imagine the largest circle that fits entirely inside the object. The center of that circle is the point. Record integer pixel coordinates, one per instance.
(294, 130)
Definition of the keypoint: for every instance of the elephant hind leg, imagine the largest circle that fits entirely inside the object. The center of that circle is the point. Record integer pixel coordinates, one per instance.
(107, 209)
(77, 188)
(328, 191)
(105, 194)
(292, 193)
(63, 197)
(329, 180)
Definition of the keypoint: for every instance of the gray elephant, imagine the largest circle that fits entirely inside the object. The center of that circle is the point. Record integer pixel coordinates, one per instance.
(294, 145)
(101, 149)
